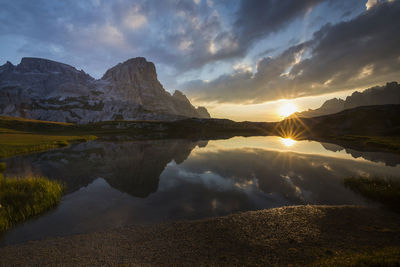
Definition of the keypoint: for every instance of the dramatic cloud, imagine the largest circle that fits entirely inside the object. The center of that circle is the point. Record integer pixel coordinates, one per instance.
(254, 20)
(181, 34)
(258, 18)
(358, 53)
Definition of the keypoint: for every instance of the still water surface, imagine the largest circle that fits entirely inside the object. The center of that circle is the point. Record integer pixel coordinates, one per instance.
(113, 184)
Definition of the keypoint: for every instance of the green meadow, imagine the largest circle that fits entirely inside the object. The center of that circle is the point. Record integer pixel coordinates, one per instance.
(13, 144)
(24, 136)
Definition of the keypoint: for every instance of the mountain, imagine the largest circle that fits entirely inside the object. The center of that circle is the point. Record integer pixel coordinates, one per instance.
(378, 120)
(379, 95)
(365, 128)
(48, 90)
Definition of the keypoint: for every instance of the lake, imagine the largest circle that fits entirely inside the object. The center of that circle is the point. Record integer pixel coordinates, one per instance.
(117, 183)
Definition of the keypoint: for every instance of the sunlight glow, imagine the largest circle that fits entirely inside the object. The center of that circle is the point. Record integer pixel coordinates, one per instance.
(287, 109)
(288, 141)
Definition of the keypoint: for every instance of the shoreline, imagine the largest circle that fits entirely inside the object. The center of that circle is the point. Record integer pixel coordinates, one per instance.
(280, 236)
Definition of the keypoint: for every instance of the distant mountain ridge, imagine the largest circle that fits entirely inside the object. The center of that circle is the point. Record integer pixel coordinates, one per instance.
(364, 128)
(378, 95)
(378, 120)
(48, 90)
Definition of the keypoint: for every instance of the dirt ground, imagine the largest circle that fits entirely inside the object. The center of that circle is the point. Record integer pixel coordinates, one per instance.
(283, 236)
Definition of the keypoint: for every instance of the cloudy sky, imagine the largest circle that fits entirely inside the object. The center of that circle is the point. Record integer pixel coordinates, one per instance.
(241, 59)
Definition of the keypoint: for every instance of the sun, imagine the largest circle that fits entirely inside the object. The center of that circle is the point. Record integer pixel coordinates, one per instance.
(287, 109)
(288, 141)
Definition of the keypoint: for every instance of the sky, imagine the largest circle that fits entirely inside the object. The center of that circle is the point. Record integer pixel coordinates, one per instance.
(242, 59)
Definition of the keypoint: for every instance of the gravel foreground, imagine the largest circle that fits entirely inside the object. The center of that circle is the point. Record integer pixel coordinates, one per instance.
(296, 235)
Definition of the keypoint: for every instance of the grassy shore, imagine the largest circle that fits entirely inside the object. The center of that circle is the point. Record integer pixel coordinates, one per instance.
(385, 191)
(23, 136)
(13, 144)
(389, 143)
(386, 257)
(21, 198)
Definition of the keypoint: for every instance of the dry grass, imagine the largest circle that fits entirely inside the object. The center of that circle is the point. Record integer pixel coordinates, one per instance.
(20, 136)
(12, 144)
(7, 118)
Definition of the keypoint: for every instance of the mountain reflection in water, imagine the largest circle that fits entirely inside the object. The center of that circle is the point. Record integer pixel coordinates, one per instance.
(112, 184)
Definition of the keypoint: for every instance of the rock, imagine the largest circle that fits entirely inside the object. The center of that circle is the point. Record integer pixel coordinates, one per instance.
(178, 95)
(183, 106)
(48, 90)
(203, 112)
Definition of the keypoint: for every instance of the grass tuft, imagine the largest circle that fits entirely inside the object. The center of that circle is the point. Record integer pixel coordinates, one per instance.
(385, 191)
(390, 143)
(22, 198)
(2, 167)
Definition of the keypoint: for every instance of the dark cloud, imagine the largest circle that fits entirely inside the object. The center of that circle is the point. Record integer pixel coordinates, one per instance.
(271, 50)
(357, 53)
(258, 18)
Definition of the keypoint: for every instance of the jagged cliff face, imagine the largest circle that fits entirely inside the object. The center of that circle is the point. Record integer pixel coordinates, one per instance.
(47, 90)
(379, 95)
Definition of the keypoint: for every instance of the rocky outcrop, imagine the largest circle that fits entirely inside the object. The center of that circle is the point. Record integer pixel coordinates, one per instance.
(203, 112)
(379, 95)
(329, 107)
(48, 90)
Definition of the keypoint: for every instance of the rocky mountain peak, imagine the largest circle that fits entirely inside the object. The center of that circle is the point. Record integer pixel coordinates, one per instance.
(7, 67)
(334, 103)
(378, 95)
(48, 90)
(31, 64)
(9, 64)
(180, 96)
(132, 71)
(203, 112)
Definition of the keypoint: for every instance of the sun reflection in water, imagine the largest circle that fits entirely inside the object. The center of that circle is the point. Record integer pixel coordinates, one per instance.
(288, 141)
